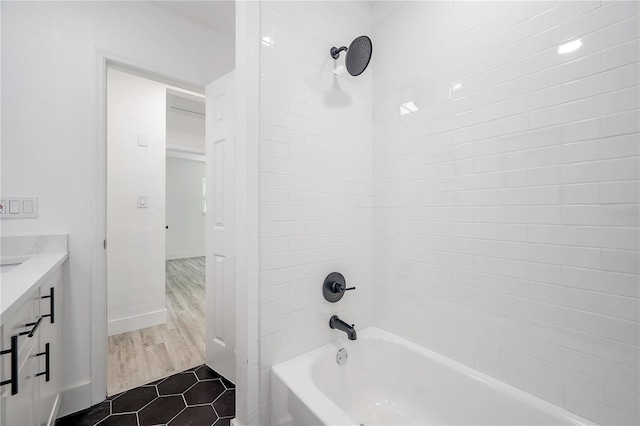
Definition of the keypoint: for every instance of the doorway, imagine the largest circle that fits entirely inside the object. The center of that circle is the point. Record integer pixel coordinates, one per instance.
(171, 69)
(155, 229)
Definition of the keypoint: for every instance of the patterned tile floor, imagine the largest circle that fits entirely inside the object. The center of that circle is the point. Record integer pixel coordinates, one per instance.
(197, 396)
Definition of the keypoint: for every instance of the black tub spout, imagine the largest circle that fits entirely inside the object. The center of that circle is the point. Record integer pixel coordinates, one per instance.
(336, 322)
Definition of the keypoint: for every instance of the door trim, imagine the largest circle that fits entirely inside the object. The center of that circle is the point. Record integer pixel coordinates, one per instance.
(99, 206)
(247, 212)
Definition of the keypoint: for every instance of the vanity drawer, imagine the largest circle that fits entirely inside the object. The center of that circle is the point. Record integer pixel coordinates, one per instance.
(18, 409)
(21, 322)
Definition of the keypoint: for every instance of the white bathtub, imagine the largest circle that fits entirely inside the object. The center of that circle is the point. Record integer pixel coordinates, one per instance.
(388, 380)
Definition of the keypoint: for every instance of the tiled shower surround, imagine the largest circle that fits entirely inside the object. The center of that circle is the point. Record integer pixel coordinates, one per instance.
(505, 207)
(479, 187)
(315, 179)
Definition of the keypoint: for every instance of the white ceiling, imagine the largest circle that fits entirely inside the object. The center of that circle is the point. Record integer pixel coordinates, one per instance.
(217, 15)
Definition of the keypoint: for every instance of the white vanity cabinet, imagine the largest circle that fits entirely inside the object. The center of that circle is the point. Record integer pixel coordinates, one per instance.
(30, 360)
(17, 366)
(49, 344)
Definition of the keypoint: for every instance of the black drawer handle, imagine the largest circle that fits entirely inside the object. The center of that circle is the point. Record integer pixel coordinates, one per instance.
(51, 297)
(13, 381)
(33, 330)
(47, 363)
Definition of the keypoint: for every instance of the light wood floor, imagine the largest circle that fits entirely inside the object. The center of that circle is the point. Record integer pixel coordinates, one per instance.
(145, 355)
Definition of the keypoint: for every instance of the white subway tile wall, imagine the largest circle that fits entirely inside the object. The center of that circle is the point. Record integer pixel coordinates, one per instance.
(315, 178)
(505, 208)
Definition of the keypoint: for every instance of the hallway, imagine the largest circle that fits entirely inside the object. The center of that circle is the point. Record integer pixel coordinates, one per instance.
(141, 356)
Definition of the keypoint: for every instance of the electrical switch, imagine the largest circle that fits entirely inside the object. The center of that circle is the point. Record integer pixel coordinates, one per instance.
(143, 200)
(27, 207)
(18, 207)
(14, 206)
(143, 140)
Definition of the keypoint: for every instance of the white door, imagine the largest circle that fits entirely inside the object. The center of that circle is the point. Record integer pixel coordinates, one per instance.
(220, 196)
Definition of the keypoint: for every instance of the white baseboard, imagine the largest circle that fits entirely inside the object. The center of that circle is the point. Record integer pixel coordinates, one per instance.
(186, 255)
(74, 399)
(54, 413)
(136, 322)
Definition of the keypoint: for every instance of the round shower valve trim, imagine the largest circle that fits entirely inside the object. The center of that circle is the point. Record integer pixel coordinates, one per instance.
(334, 287)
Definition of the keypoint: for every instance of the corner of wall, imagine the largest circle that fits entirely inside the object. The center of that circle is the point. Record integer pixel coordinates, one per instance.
(74, 399)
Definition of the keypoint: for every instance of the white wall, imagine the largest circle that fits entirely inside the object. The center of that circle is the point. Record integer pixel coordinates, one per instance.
(495, 242)
(315, 184)
(185, 131)
(136, 106)
(186, 233)
(48, 78)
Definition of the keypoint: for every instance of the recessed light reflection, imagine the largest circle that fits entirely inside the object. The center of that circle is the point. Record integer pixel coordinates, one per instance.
(453, 88)
(570, 46)
(408, 108)
(266, 40)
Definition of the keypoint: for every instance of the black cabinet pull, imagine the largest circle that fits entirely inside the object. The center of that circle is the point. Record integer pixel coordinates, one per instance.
(47, 363)
(13, 381)
(33, 330)
(51, 297)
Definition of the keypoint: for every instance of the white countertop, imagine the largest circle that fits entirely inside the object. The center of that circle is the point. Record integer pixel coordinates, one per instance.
(17, 284)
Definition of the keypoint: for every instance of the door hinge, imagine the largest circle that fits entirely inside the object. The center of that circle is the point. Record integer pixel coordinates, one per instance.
(104, 244)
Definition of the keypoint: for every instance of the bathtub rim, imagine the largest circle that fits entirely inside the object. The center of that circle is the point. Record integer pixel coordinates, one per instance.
(296, 374)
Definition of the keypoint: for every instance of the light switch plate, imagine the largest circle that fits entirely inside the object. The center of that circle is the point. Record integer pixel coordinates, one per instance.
(18, 207)
(143, 201)
(143, 140)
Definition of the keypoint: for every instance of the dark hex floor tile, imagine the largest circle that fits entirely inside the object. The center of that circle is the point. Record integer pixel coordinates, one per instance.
(157, 410)
(178, 383)
(120, 420)
(204, 372)
(88, 417)
(161, 410)
(191, 369)
(112, 397)
(226, 405)
(155, 382)
(197, 416)
(228, 384)
(204, 392)
(133, 400)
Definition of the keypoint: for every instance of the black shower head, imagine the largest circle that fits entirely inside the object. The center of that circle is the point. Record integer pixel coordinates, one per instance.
(358, 55)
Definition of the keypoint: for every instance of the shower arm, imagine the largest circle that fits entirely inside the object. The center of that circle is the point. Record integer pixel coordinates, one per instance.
(335, 52)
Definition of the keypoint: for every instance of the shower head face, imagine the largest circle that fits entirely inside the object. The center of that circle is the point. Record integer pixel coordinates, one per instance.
(359, 55)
